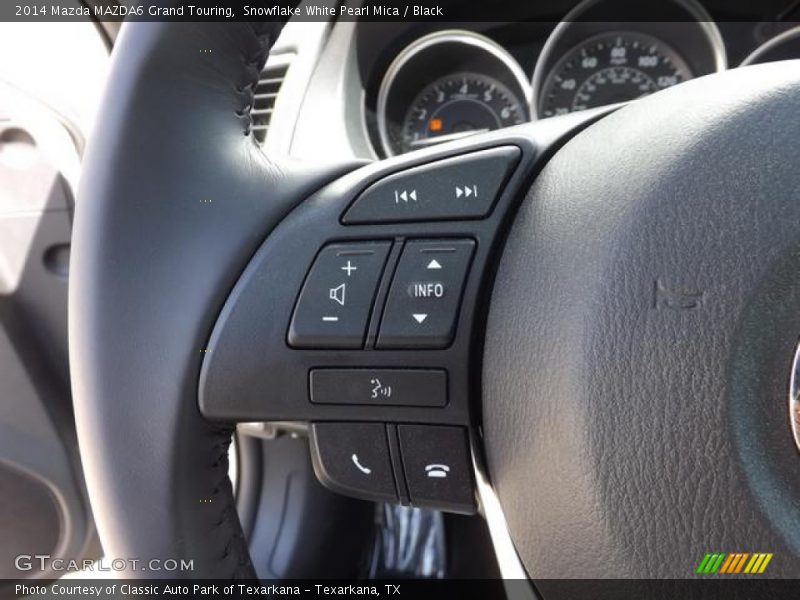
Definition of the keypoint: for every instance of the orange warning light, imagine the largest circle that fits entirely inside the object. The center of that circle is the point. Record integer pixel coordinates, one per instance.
(435, 125)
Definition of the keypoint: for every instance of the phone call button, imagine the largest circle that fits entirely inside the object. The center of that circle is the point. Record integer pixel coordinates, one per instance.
(353, 459)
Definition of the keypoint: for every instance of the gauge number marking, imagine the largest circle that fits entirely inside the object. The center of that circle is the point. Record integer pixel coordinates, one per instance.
(610, 68)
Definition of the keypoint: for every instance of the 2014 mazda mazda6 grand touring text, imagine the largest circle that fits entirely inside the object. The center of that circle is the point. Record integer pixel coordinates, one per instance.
(339, 298)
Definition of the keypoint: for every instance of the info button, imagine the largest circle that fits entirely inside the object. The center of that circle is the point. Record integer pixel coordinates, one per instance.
(383, 387)
(422, 308)
(427, 289)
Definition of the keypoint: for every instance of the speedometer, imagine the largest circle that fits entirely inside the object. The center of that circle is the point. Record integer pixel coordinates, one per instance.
(459, 105)
(609, 68)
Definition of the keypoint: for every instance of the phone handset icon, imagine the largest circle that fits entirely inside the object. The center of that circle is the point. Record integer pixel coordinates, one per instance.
(359, 466)
(437, 470)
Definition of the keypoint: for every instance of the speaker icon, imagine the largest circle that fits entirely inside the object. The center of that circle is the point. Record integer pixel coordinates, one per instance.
(337, 294)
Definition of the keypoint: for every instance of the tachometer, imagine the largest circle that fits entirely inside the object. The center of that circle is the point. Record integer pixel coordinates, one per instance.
(447, 85)
(609, 68)
(456, 106)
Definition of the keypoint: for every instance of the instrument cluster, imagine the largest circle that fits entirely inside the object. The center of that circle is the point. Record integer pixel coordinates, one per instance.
(453, 83)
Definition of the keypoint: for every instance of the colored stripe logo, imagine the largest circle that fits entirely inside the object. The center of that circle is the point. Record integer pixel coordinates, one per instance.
(734, 563)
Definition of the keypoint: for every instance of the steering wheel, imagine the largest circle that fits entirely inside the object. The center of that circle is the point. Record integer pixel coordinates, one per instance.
(608, 337)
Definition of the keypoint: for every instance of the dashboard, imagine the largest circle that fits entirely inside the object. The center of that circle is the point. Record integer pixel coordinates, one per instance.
(426, 84)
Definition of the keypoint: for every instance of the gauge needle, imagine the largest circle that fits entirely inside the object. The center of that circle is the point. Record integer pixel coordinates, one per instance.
(446, 138)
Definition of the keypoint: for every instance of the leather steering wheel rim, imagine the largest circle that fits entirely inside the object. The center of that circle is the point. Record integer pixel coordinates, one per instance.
(175, 198)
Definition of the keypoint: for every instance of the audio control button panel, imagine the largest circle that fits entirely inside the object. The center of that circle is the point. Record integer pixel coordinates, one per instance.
(464, 187)
(338, 300)
(361, 315)
(335, 303)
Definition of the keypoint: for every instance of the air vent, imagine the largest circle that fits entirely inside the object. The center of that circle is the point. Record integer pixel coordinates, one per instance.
(269, 84)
